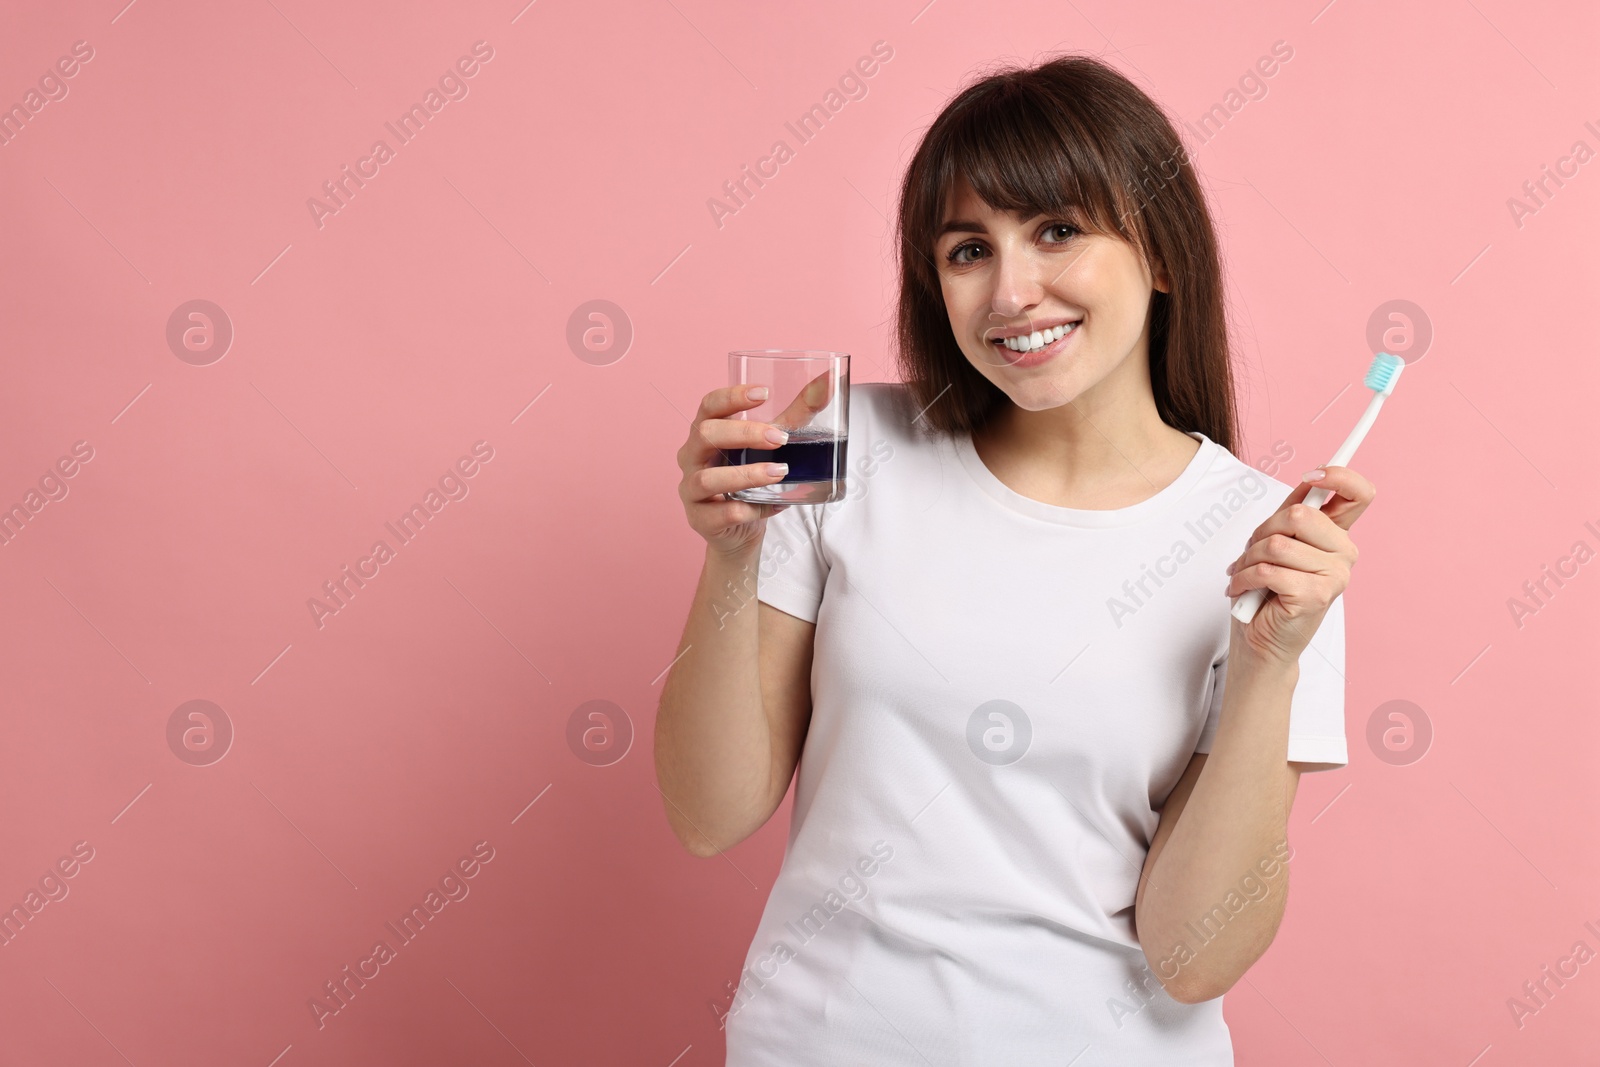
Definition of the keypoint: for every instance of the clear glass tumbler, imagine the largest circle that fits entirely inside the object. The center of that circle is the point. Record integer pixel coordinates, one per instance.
(808, 394)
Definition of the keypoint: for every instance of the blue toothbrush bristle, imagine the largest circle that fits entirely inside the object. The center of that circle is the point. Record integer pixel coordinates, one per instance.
(1383, 372)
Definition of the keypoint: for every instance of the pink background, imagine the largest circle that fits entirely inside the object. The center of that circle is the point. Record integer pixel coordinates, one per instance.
(370, 353)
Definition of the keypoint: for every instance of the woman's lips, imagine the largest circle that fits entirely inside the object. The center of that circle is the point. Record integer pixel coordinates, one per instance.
(1038, 356)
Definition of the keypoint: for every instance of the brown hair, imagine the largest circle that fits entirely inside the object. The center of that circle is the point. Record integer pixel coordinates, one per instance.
(1072, 138)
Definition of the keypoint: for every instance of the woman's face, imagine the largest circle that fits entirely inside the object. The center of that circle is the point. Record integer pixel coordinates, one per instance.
(1002, 277)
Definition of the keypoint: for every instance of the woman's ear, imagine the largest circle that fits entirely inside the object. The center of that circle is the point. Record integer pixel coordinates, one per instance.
(1163, 284)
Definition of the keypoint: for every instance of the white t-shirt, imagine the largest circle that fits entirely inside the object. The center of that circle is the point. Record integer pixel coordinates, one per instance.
(997, 718)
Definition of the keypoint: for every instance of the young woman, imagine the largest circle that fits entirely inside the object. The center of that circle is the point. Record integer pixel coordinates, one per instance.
(1044, 776)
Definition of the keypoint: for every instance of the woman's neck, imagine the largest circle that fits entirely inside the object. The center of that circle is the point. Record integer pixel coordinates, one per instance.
(1074, 456)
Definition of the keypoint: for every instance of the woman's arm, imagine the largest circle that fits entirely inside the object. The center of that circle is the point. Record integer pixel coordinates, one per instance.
(1223, 831)
(737, 700)
(1222, 839)
(734, 711)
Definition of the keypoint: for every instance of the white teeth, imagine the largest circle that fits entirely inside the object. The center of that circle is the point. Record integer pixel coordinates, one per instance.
(1039, 338)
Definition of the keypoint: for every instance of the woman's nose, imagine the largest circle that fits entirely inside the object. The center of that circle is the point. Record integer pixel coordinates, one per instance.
(1017, 284)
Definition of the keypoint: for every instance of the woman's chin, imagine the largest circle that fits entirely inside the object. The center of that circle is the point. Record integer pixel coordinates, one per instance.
(1041, 393)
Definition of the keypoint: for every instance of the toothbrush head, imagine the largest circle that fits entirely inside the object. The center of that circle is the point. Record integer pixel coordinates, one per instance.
(1384, 373)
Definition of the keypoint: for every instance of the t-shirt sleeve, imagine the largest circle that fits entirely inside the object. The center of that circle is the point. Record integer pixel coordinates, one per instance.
(1316, 710)
(794, 565)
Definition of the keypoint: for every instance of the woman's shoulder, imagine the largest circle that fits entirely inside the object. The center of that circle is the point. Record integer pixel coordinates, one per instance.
(879, 398)
(886, 411)
(1242, 487)
(889, 448)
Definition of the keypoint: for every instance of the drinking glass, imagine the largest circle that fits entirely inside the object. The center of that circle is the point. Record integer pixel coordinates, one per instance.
(808, 394)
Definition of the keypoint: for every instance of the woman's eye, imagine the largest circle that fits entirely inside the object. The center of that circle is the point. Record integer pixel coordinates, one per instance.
(1072, 231)
(955, 253)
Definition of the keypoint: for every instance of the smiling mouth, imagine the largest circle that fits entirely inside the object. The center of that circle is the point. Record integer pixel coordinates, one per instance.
(1019, 352)
(1038, 339)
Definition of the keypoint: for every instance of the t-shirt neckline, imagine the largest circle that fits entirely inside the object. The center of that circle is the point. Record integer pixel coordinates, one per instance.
(1038, 509)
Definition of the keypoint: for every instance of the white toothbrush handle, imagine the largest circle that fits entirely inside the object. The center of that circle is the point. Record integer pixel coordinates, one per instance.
(1247, 603)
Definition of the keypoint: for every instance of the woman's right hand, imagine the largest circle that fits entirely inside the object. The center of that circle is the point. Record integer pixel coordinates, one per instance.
(728, 526)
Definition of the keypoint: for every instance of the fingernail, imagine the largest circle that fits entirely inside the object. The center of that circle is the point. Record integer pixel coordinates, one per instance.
(777, 470)
(776, 436)
(758, 393)
(1232, 565)
(1314, 476)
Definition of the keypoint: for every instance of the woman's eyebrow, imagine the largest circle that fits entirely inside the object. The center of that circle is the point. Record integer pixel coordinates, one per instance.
(970, 226)
(960, 226)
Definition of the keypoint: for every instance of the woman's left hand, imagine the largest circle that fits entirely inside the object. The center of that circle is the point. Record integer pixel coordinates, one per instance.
(1304, 556)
